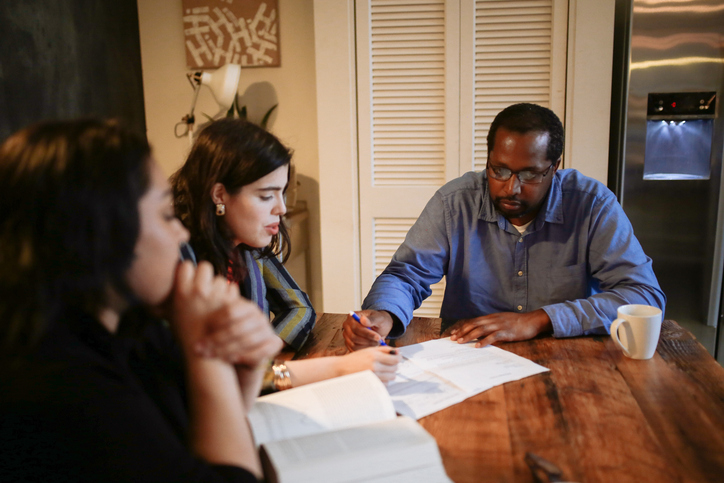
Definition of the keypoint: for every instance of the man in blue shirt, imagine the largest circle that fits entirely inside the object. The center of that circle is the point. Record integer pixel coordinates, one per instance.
(526, 248)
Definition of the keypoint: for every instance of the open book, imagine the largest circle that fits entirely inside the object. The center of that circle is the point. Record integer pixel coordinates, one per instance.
(342, 430)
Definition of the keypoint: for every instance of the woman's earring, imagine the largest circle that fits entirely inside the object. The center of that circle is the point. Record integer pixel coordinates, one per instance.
(220, 209)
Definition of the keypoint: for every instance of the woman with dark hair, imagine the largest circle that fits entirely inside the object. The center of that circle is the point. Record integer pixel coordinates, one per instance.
(236, 168)
(230, 196)
(95, 386)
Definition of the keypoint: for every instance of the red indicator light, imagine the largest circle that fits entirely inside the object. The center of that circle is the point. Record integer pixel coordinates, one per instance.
(673, 104)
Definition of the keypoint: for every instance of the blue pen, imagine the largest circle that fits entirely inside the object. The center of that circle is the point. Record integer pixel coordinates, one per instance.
(356, 317)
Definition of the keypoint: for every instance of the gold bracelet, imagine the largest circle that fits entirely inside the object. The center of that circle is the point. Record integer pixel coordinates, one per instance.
(282, 379)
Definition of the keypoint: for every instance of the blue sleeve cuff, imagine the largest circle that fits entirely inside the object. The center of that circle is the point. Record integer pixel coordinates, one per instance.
(557, 314)
(399, 321)
(568, 322)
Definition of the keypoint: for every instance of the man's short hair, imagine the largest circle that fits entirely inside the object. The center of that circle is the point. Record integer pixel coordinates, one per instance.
(524, 118)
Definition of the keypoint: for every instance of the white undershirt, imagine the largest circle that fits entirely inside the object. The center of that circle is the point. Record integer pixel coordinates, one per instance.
(522, 228)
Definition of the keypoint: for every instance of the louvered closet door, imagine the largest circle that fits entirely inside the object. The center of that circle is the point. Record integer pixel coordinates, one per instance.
(432, 74)
(516, 53)
(408, 114)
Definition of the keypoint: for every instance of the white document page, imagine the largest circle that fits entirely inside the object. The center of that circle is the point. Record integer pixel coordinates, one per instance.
(342, 402)
(471, 369)
(417, 393)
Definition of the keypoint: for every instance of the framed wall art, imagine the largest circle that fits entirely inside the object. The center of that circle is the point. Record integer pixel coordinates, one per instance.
(245, 32)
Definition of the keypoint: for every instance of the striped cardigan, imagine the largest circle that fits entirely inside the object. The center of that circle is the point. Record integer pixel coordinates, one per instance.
(269, 285)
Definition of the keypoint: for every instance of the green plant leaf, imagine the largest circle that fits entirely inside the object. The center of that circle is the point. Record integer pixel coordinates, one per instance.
(265, 120)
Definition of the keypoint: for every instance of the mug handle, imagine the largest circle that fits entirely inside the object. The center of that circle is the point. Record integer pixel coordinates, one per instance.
(614, 335)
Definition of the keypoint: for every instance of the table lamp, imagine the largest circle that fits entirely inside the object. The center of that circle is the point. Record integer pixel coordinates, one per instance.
(223, 83)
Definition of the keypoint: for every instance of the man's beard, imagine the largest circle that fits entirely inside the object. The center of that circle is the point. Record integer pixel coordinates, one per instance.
(522, 209)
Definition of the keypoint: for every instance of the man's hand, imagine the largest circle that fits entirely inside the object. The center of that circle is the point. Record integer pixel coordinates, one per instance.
(374, 326)
(503, 326)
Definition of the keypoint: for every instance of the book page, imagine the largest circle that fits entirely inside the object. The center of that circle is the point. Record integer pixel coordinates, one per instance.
(342, 402)
(384, 451)
(467, 367)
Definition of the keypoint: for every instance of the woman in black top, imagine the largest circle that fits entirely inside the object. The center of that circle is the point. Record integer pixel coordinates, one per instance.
(94, 385)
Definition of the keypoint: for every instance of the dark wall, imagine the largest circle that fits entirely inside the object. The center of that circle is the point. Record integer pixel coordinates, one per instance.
(69, 58)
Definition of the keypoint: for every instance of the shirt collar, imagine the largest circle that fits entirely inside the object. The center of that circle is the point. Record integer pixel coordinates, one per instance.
(551, 211)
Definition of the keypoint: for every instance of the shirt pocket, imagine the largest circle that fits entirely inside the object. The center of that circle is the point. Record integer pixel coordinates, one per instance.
(566, 283)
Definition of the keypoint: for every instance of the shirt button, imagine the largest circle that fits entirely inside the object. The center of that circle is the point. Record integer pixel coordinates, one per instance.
(520, 273)
(520, 307)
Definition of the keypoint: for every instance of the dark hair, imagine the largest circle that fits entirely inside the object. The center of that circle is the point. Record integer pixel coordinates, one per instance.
(524, 118)
(69, 221)
(235, 153)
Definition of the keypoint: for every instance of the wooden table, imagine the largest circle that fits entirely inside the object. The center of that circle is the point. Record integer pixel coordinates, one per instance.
(597, 414)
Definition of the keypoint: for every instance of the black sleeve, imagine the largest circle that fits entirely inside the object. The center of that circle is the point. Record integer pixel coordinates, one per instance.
(79, 413)
(115, 435)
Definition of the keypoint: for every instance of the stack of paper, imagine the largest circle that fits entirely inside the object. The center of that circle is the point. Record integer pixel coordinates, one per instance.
(439, 373)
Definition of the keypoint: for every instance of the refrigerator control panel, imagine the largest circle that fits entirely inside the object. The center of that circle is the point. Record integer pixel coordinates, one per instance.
(683, 105)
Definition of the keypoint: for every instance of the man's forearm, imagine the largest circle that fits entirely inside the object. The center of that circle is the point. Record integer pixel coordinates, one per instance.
(593, 315)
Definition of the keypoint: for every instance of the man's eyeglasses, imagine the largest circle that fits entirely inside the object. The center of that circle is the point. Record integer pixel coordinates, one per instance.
(529, 177)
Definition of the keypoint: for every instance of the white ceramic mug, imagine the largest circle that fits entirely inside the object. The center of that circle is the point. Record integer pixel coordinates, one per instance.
(640, 326)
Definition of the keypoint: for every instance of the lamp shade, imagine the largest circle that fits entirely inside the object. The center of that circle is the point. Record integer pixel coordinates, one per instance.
(224, 83)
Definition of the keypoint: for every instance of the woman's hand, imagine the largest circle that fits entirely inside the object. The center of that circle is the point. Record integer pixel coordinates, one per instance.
(197, 294)
(380, 360)
(239, 333)
(210, 318)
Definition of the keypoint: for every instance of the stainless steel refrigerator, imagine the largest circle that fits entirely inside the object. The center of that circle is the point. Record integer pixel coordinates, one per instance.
(666, 150)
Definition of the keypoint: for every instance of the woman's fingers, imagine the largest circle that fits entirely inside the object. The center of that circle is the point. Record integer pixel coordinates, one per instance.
(240, 333)
(388, 356)
(235, 348)
(203, 279)
(262, 352)
(232, 291)
(385, 372)
(385, 364)
(184, 277)
(211, 318)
